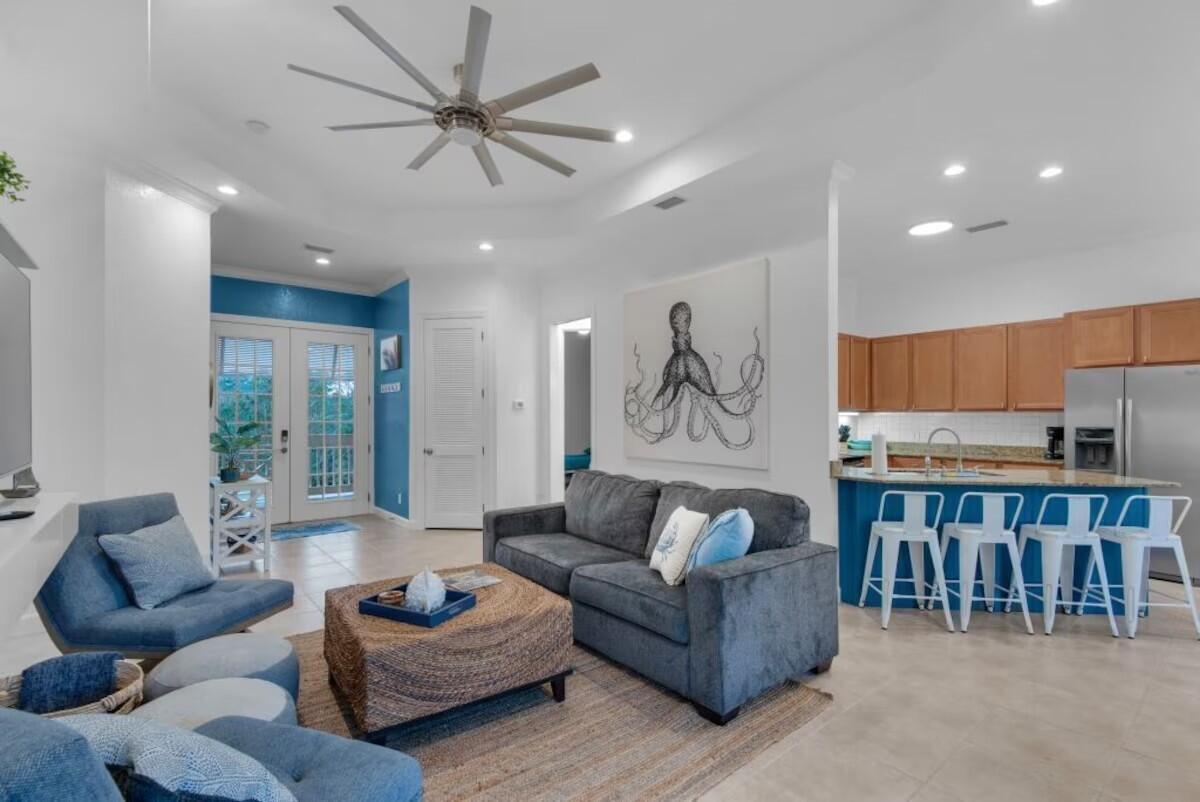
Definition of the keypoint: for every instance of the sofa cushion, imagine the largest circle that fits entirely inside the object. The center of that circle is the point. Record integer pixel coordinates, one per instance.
(318, 767)
(217, 609)
(550, 559)
(158, 562)
(780, 520)
(613, 510)
(43, 760)
(632, 591)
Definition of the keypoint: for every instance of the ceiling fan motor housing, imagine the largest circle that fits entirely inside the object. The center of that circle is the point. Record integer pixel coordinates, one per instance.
(466, 124)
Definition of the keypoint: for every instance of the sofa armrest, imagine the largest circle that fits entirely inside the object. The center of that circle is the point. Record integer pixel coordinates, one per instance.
(537, 520)
(759, 620)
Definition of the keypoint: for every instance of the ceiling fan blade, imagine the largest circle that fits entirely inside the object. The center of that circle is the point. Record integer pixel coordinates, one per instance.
(544, 89)
(478, 29)
(391, 52)
(372, 126)
(556, 129)
(530, 152)
(488, 164)
(360, 87)
(429, 152)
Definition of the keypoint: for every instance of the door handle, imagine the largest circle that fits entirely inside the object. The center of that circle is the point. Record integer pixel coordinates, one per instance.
(1119, 440)
(283, 441)
(1128, 436)
(429, 452)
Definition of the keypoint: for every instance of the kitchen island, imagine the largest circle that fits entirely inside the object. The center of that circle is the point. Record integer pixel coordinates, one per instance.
(860, 490)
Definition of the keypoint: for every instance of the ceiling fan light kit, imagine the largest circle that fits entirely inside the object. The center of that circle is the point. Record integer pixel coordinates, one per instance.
(462, 117)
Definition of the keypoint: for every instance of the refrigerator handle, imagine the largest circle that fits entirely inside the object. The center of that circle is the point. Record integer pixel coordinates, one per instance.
(1119, 439)
(1128, 427)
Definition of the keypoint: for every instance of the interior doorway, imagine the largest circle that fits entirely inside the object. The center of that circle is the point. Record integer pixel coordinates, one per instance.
(570, 402)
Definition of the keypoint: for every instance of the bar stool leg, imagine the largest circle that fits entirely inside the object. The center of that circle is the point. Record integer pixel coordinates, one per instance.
(1052, 554)
(1098, 557)
(891, 556)
(1018, 584)
(916, 553)
(872, 545)
(1177, 547)
(1066, 582)
(939, 577)
(1016, 560)
(968, 559)
(1087, 579)
(1132, 556)
(987, 565)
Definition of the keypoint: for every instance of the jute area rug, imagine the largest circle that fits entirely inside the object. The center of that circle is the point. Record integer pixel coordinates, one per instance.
(616, 737)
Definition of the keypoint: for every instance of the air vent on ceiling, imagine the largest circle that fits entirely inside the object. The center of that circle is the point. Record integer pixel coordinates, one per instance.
(670, 203)
(986, 226)
(317, 248)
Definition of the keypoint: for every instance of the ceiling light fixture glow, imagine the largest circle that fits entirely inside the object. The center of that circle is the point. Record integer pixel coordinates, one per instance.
(624, 135)
(227, 189)
(954, 169)
(323, 260)
(1051, 171)
(1043, 2)
(931, 228)
(486, 246)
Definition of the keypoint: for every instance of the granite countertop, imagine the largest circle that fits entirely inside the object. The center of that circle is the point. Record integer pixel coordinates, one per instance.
(1033, 455)
(1044, 477)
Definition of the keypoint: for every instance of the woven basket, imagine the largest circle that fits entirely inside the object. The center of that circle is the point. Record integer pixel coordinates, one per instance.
(126, 697)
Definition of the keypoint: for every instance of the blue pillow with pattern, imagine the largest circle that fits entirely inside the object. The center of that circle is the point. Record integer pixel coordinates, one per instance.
(728, 537)
(158, 563)
(178, 761)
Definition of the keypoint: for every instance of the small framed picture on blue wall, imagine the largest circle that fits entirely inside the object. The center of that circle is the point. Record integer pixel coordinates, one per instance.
(390, 355)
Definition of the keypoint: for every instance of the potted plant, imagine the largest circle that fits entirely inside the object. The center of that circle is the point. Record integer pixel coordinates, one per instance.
(11, 181)
(229, 441)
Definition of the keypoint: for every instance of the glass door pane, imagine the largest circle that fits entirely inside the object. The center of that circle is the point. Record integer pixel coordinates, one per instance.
(245, 394)
(331, 394)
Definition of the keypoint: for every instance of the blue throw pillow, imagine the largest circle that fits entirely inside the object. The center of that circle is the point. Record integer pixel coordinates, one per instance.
(158, 563)
(69, 681)
(728, 537)
(178, 761)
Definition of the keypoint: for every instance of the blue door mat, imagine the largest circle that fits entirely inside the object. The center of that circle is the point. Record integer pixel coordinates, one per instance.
(311, 528)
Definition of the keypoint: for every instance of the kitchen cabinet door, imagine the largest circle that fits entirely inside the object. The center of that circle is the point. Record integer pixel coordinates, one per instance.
(981, 368)
(843, 394)
(1101, 337)
(890, 373)
(1036, 363)
(860, 373)
(933, 371)
(1168, 333)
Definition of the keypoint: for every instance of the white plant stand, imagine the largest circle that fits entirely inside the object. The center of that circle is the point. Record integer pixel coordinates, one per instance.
(241, 533)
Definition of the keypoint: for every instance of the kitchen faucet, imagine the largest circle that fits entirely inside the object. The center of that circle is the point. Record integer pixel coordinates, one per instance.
(929, 449)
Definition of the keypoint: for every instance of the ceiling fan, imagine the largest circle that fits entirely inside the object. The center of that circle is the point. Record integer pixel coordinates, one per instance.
(462, 117)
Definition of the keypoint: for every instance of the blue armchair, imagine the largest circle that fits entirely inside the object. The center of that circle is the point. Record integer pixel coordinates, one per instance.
(85, 605)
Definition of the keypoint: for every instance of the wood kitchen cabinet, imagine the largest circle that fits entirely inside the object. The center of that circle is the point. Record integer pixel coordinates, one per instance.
(1036, 363)
(860, 373)
(933, 371)
(981, 368)
(891, 373)
(1101, 337)
(1168, 332)
(843, 387)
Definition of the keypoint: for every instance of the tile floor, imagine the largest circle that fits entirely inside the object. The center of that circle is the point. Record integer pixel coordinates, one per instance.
(918, 714)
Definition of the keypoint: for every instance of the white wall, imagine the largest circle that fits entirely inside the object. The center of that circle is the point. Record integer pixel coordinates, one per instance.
(1139, 271)
(156, 347)
(798, 367)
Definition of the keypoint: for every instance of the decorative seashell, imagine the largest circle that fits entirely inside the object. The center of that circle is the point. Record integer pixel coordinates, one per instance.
(425, 593)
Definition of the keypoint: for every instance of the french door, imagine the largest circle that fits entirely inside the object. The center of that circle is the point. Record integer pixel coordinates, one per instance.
(308, 391)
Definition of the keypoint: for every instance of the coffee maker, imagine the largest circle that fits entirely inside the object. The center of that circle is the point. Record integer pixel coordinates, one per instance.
(1054, 442)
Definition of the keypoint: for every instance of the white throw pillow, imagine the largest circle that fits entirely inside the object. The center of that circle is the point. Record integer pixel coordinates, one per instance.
(670, 557)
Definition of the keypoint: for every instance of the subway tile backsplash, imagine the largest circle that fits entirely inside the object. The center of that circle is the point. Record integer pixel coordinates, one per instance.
(978, 428)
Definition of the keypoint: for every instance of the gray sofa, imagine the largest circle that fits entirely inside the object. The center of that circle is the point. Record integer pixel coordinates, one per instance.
(732, 631)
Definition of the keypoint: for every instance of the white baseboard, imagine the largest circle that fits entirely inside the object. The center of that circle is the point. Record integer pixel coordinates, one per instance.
(393, 517)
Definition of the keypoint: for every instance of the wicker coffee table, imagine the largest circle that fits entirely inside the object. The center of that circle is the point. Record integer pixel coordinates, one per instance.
(517, 636)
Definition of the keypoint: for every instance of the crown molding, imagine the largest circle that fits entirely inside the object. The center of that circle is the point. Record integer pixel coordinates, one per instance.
(273, 277)
(167, 184)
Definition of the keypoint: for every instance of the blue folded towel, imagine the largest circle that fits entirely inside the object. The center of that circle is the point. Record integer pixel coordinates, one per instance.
(69, 681)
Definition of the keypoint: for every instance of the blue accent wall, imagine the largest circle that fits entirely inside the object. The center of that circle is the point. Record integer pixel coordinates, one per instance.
(386, 313)
(391, 409)
(239, 296)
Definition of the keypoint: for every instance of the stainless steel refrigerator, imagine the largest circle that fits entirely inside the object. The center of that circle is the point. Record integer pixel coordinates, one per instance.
(1142, 422)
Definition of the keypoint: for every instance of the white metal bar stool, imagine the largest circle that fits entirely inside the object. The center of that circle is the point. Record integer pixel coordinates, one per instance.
(1055, 539)
(1135, 541)
(977, 542)
(912, 529)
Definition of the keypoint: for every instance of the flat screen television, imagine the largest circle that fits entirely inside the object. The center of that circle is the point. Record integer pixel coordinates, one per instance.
(16, 373)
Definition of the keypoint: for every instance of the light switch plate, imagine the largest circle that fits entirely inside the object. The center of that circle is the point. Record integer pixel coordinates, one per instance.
(519, 403)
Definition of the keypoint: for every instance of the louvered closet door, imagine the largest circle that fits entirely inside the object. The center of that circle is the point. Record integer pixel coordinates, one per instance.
(454, 423)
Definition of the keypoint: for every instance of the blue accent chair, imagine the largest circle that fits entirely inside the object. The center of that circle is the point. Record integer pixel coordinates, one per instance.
(85, 605)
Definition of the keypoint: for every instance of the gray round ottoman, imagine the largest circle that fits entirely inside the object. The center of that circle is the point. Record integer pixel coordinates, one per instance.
(237, 696)
(244, 654)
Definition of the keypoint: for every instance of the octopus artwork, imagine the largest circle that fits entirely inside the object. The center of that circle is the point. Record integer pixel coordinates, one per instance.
(653, 409)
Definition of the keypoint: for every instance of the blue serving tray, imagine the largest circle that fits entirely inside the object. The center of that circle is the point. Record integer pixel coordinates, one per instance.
(456, 602)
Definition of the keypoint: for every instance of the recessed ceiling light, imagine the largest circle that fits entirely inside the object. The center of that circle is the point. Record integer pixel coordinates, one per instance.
(227, 189)
(323, 260)
(1043, 2)
(955, 169)
(486, 246)
(1051, 171)
(624, 135)
(931, 228)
